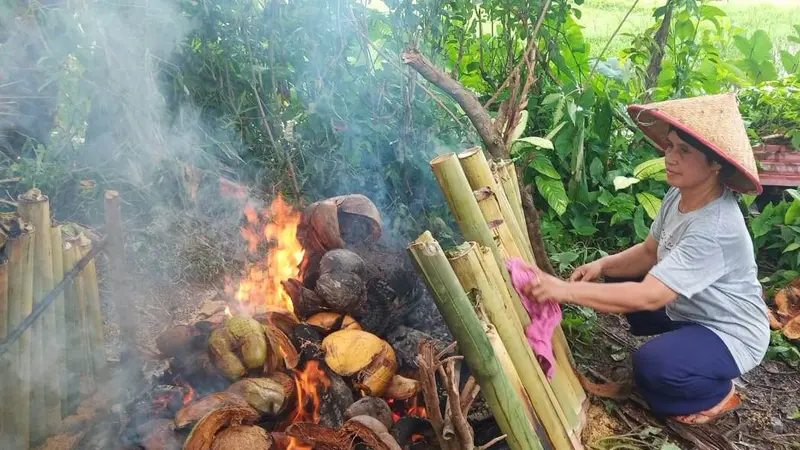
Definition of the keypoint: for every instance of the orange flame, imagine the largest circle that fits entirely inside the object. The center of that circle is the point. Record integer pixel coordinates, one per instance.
(262, 286)
(309, 400)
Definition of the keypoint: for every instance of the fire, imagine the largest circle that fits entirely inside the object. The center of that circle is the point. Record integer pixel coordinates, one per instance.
(189, 395)
(278, 233)
(309, 399)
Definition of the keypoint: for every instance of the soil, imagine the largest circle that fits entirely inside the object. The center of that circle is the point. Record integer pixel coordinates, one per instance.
(764, 421)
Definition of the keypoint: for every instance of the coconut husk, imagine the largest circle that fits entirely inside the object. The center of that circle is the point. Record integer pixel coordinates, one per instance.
(266, 395)
(775, 321)
(373, 407)
(787, 301)
(342, 292)
(245, 437)
(195, 410)
(204, 433)
(306, 302)
(160, 435)
(177, 340)
(402, 388)
(792, 329)
(280, 318)
(361, 427)
(331, 321)
(283, 346)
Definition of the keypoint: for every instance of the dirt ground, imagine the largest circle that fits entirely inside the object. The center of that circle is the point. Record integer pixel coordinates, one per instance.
(771, 397)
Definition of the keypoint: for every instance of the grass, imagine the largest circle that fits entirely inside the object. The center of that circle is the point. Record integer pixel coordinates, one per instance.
(601, 17)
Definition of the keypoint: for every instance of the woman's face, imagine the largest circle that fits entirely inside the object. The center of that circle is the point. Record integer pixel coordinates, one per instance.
(686, 166)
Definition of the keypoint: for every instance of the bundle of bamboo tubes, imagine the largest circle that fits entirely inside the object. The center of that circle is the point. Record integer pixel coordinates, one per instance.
(486, 202)
(37, 371)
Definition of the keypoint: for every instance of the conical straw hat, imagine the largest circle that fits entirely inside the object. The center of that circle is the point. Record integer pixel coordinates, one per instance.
(715, 121)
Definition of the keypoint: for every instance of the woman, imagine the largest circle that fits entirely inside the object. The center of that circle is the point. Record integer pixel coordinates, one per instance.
(699, 289)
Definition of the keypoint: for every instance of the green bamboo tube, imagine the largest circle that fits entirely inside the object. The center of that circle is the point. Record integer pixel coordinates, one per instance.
(474, 344)
(34, 207)
(20, 253)
(506, 178)
(479, 174)
(79, 361)
(57, 246)
(502, 235)
(458, 193)
(95, 315)
(468, 267)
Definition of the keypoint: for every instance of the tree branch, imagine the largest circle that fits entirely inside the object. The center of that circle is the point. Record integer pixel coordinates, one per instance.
(469, 103)
(657, 55)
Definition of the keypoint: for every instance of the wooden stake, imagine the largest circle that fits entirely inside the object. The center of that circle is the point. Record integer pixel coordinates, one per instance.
(458, 193)
(34, 207)
(479, 175)
(118, 274)
(468, 265)
(57, 246)
(508, 408)
(94, 329)
(20, 304)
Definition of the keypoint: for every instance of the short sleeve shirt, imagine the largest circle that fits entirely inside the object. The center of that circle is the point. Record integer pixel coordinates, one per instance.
(707, 257)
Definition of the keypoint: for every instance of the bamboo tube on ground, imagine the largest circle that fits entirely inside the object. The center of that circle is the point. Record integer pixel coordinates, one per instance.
(57, 245)
(34, 207)
(467, 264)
(458, 193)
(20, 304)
(451, 300)
(479, 174)
(95, 315)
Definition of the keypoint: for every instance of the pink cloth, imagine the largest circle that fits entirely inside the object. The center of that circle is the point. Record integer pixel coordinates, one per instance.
(545, 316)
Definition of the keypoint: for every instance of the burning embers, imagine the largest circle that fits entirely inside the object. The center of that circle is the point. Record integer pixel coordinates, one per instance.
(288, 364)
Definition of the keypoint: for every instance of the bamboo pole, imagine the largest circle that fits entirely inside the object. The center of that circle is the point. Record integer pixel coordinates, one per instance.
(468, 266)
(34, 207)
(458, 193)
(5, 360)
(57, 246)
(76, 316)
(479, 174)
(506, 178)
(115, 251)
(16, 400)
(508, 408)
(94, 314)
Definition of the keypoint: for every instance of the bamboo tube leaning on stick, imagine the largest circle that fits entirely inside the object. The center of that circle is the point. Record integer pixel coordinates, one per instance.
(458, 193)
(508, 408)
(506, 178)
(479, 174)
(79, 364)
(57, 246)
(34, 207)
(468, 266)
(95, 315)
(20, 304)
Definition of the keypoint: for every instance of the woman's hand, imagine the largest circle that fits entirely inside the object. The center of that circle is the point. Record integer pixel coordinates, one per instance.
(546, 288)
(588, 272)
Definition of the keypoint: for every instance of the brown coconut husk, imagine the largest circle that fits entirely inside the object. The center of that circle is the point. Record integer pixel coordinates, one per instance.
(203, 434)
(787, 301)
(195, 410)
(245, 437)
(792, 329)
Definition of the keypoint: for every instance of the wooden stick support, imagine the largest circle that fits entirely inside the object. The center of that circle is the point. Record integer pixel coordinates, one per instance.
(471, 334)
(20, 304)
(34, 207)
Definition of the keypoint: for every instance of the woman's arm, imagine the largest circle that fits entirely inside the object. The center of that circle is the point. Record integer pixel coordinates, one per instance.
(634, 262)
(647, 295)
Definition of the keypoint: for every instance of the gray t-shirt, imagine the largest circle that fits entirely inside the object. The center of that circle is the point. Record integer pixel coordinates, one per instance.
(706, 256)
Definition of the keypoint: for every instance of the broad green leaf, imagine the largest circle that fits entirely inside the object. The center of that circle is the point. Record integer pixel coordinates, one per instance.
(605, 198)
(603, 119)
(764, 222)
(554, 193)
(761, 46)
(565, 258)
(582, 225)
(542, 164)
(794, 193)
(521, 125)
(552, 98)
(621, 182)
(748, 199)
(650, 203)
(649, 168)
(669, 446)
(791, 247)
(535, 141)
(596, 170)
(792, 214)
(555, 131)
(639, 226)
(791, 63)
(708, 11)
(572, 110)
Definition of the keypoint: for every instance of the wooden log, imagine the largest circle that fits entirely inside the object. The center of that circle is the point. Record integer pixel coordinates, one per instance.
(467, 263)
(34, 207)
(479, 174)
(508, 408)
(94, 313)
(20, 303)
(458, 193)
(57, 245)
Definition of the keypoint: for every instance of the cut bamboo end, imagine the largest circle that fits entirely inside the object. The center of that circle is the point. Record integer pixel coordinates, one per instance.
(470, 333)
(467, 263)
(95, 315)
(34, 207)
(20, 304)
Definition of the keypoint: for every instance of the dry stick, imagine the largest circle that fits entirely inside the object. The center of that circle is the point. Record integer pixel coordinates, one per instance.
(95, 315)
(20, 304)
(34, 207)
(57, 246)
(479, 352)
(468, 266)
